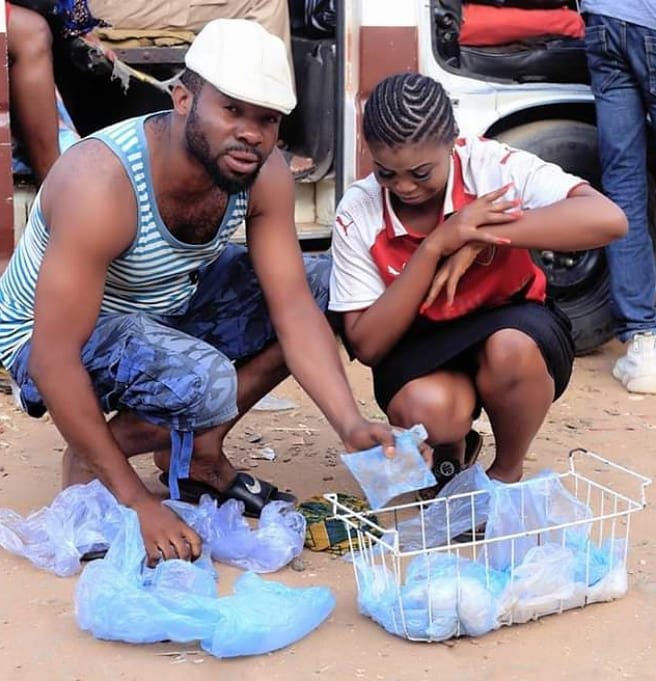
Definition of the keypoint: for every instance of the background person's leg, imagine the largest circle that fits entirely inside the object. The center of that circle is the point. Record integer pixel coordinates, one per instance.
(617, 84)
(637, 369)
(623, 71)
(32, 88)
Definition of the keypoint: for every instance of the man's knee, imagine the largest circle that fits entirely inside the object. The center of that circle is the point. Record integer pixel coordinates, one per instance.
(167, 376)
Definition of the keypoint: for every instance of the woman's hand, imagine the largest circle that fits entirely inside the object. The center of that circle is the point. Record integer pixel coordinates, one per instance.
(463, 227)
(450, 272)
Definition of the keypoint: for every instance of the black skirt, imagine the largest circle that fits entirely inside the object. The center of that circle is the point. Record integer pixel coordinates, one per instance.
(429, 346)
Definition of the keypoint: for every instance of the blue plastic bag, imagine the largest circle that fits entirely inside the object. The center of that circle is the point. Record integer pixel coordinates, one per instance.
(87, 517)
(591, 562)
(430, 527)
(120, 599)
(534, 504)
(229, 538)
(462, 595)
(81, 518)
(443, 596)
(378, 595)
(382, 478)
(263, 616)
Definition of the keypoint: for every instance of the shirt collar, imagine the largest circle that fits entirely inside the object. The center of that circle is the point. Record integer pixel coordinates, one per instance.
(448, 194)
(393, 226)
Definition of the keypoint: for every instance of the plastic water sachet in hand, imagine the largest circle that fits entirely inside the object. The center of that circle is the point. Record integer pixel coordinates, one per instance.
(382, 478)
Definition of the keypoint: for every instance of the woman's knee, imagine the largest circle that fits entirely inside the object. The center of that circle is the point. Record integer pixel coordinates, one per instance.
(445, 408)
(510, 357)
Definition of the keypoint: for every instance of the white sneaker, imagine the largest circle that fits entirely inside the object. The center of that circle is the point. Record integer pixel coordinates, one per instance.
(637, 368)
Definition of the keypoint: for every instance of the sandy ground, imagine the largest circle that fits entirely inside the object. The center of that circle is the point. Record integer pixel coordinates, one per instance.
(40, 640)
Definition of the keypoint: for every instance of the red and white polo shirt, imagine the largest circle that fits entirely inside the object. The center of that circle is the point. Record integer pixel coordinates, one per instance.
(370, 245)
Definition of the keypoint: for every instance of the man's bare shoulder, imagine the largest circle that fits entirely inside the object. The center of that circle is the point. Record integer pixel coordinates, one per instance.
(274, 186)
(89, 164)
(88, 188)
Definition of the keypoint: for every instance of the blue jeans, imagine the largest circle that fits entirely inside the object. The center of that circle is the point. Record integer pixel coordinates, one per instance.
(622, 62)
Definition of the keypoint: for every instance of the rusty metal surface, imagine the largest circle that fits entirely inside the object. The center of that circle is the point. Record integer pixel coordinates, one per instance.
(151, 55)
(6, 182)
(384, 51)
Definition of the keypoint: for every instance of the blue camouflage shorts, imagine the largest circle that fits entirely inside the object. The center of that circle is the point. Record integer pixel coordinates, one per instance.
(179, 370)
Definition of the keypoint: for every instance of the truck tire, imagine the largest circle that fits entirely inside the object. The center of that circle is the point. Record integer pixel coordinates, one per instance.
(577, 281)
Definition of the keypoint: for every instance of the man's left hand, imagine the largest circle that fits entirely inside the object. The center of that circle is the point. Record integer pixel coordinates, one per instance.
(367, 434)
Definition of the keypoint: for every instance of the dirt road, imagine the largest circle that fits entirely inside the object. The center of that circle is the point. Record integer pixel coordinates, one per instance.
(40, 640)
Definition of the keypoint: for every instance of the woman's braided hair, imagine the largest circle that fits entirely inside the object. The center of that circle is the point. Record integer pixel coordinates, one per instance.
(408, 108)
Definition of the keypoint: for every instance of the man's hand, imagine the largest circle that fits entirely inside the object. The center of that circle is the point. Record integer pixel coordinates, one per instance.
(165, 535)
(450, 272)
(463, 227)
(365, 434)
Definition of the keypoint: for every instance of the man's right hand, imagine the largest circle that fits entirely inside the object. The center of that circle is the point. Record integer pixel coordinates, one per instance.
(165, 535)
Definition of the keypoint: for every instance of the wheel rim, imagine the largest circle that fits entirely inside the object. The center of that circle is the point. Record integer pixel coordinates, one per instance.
(569, 272)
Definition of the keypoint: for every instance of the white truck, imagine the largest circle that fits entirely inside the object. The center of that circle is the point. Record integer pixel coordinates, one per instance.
(532, 94)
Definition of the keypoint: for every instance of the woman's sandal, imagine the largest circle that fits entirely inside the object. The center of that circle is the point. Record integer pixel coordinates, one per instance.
(468, 536)
(445, 468)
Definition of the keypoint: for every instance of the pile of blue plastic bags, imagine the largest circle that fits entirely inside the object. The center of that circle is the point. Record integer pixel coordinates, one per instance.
(120, 598)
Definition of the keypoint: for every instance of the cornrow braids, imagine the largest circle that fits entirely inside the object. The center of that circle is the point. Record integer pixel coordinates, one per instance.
(409, 108)
(192, 81)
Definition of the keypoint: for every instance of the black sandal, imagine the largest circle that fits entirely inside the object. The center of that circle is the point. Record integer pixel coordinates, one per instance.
(253, 492)
(446, 467)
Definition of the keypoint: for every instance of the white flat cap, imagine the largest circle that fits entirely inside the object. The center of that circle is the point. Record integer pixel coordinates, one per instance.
(241, 59)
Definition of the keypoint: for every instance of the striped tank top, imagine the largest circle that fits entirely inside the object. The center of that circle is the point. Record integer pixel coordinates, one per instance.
(156, 274)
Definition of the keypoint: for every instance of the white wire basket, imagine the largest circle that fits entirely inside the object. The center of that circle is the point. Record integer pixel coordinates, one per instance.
(443, 568)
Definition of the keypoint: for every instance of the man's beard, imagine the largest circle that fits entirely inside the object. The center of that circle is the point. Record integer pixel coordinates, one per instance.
(198, 147)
